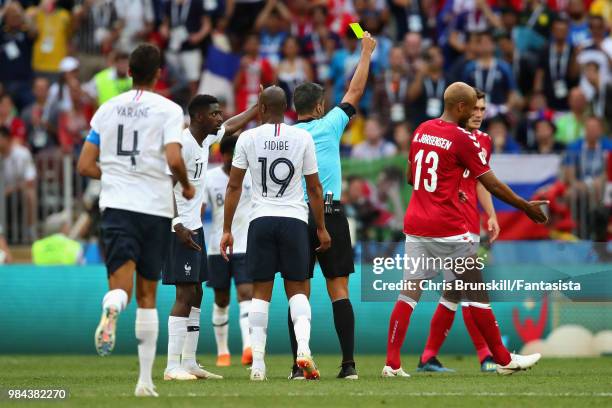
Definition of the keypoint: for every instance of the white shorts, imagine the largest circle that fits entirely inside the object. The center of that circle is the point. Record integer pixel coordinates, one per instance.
(189, 63)
(428, 256)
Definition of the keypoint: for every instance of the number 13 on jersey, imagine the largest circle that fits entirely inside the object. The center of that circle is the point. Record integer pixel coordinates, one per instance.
(431, 161)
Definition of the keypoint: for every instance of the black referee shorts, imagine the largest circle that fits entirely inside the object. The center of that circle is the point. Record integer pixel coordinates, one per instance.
(337, 261)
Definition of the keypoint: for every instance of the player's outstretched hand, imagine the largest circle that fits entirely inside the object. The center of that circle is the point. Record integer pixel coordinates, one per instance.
(324, 240)
(189, 191)
(185, 235)
(368, 43)
(227, 242)
(493, 228)
(534, 211)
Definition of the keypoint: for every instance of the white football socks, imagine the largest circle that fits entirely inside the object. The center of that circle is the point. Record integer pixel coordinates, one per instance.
(258, 321)
(245, 305)
(147, 328)
(177, 331)
(192, 337)
(220, 321)
(300, 315)
(116, 298)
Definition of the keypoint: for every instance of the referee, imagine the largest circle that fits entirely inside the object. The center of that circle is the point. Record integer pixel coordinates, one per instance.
(337, 262)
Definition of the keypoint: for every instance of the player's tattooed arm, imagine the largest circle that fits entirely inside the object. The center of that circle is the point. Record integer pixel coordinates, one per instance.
(500, 190)
(177, 167)
(232, 196)
(237, 122)
(87, 165)
(360, 78)
(315, 197)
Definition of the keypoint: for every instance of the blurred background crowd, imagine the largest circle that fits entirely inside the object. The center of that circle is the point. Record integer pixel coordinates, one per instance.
(546, 66)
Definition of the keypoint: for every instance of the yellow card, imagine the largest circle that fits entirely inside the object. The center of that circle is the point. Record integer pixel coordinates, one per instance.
(357, 30)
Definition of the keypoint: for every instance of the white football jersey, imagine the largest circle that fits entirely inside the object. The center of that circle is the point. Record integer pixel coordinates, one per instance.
(277, 155)
(216, 185)
(196, 162)
(134, 129)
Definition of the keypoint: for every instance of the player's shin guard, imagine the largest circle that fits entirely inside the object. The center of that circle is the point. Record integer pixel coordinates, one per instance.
(244, 306)
(191, 338)
(441, 322)
(116, 298)
(258, 322)
(301, 315)
(177, 331)
(344, 320)
(220, 322)
(398, 326)
(482, 350)
(147, 328)
(487, 325)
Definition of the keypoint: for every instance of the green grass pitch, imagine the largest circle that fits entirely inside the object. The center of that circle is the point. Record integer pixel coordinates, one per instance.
(109, 381)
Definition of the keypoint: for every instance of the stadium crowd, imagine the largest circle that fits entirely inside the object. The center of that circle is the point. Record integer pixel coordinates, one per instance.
(546, 66)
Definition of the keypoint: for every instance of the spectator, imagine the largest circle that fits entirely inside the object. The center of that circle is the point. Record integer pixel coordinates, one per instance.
(602, 8)
(469, 54)
(293, 69)
(536, 20)
(410, 17)
(241, 13)
(390, 89)
(557, 70)
(186, 25)
(502, 140)
(52, 43)
(253, 71)
(412, 46)
(593, 51)
(493, 76)
(32, 115)
(111, 81)
(374, 146)
(579, 25)
(537, 110)
(73, 124)
(19, 174)
(96, 26)
(272, 23)
(570, 126)
(584, 164)
(401, 137)
(545, 138)
(136, 19)
(16, 41)
(10, 120)
(59, 99)
(319, 46)
(426, 92)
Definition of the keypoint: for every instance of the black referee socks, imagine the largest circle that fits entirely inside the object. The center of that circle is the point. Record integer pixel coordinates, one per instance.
(344, 320)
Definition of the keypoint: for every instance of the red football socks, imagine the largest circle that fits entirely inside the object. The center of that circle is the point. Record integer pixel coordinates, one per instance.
(487, 326)
(398, 326)
(441, 323)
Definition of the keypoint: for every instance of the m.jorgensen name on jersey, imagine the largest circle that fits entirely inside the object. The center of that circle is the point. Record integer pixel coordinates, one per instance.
(132, 113)
(276, 145)
(433, 140)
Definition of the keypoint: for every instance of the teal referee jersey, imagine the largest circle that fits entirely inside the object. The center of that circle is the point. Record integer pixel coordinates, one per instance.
(326, 133)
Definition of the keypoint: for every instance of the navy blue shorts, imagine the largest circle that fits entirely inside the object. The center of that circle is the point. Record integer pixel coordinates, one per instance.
(132, 236)
(184, 265)
(221, 272)
(278, 244)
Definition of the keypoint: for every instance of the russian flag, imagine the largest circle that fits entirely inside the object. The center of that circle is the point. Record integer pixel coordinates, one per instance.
(525, 174)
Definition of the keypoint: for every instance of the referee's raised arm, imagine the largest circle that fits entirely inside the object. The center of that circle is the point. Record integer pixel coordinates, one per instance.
(359, 81)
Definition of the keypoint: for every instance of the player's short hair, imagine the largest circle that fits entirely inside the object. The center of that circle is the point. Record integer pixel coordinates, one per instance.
(480, 94)
(306, 96)
(145, 60)
(228, 144)
(5, 132)
(200, 102)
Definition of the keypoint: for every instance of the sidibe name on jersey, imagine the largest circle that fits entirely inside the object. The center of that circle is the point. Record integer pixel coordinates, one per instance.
(433, 140)
(132, 113)
(276, 145)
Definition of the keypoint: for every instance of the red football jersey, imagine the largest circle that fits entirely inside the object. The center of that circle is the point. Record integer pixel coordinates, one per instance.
(439, 153)
(468, 185)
